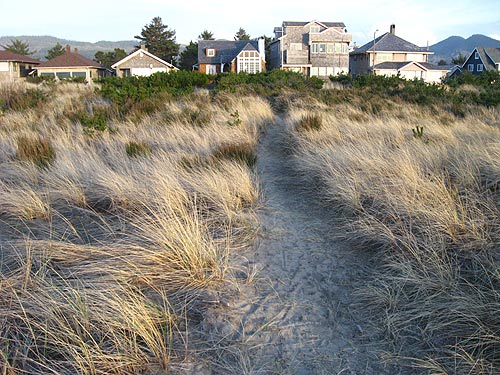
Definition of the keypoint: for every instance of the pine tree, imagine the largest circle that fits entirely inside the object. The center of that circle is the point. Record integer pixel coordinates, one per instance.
(19, 47)
(189, 56)
(109, 58)
(241, 34)
(206, 35)
(55, 51)
(159, 39)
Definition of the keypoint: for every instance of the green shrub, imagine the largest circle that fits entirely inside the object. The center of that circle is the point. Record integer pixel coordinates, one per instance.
(235, 119)
(310, 122)
(36, 150)
(136, 149)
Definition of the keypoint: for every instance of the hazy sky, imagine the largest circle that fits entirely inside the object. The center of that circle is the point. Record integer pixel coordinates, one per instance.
(419, 21)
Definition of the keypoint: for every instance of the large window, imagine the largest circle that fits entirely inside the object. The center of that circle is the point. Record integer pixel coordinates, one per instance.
(329, 48)
(249, 62)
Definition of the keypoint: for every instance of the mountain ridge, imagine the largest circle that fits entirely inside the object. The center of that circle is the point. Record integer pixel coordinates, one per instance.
(453, 46)
(42, 43)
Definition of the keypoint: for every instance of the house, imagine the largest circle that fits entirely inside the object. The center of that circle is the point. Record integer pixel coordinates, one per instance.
(141, 63)
(482, 59)
(14, 66)
(236, 56)
(410, 70)
(390, 55)
(71, 65)
(313, 48)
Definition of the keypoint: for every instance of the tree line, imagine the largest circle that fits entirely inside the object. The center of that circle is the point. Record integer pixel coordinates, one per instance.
(155, 36)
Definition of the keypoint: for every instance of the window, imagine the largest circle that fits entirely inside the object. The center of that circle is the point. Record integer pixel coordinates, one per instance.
(210, 52)
(211, 69)
(295, 46)
(63, 75)
(479, 67)
(470, 67)
(249, 62)
(315, 29)
(319, 48)
(476, 55)
(79, 74)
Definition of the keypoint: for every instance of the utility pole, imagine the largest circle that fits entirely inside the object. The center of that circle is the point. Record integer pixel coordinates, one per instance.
(373, 64)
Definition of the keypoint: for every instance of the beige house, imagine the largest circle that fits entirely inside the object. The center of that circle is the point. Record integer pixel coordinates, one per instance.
(71, 65)
(391, 55)
(141, 63)
(314, 48)
(14, 66)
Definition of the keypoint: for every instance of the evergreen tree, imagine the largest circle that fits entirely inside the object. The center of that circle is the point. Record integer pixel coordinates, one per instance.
(159, 39)
(241, 34)
(55, 51)
(19, 47)
(206, 35)
(459, 60)
(189, 56)
(109, 58)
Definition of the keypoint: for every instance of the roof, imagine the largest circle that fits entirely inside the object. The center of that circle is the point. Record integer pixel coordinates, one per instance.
(393, 65)
(489, 56)
(11, 56)
(146, 52)
(398, 65)
(225, 50)
(70, 60)
(326, 24)
(389, 42)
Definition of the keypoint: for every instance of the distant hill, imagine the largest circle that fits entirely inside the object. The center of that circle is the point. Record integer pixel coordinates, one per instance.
(43, 43)
(454, 45)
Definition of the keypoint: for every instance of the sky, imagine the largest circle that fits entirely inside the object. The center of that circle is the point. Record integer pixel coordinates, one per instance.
(420, 22)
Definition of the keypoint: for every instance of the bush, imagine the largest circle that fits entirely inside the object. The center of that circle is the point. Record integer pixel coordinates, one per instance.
(35, 149)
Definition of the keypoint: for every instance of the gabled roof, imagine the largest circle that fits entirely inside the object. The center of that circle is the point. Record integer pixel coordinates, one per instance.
(70, 60)
(146, 52)
(225, 50)
(326, 24)
(11, 56)
(489, 56)
(389, 42)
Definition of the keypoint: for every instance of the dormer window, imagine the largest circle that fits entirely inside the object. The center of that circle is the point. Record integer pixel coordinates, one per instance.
(315, 29)
(210, 52)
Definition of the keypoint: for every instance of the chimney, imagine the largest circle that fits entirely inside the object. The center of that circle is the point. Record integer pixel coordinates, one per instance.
(76, 50)
(68, 48)
(262, 48)
(393, 29)
(143, 47)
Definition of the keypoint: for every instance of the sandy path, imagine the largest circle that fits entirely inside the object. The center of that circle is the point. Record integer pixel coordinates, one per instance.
(296, 316)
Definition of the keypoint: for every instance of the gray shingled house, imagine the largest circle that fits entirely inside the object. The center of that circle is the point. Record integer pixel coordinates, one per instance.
(236, 56)
(482, 59)
(391, 55)
(313, 48)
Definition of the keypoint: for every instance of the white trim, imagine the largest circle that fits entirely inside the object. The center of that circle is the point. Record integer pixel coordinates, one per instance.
(133, 54)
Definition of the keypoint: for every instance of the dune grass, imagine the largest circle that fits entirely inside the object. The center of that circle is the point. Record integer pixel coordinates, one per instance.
(109, 248)
(427, 202)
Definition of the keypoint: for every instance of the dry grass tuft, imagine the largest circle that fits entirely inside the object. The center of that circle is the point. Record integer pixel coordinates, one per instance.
(128, 245)
(37, 150)
(430, 205)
